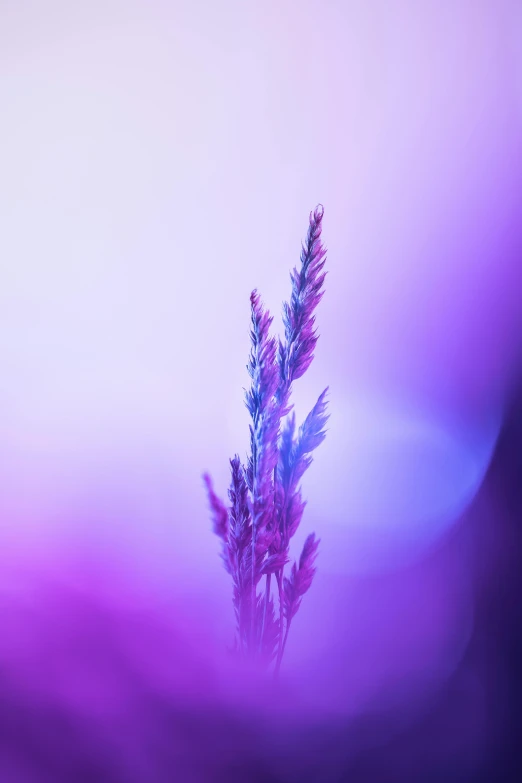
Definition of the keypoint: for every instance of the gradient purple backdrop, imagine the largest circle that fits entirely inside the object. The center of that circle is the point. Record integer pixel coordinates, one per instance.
(158, 162)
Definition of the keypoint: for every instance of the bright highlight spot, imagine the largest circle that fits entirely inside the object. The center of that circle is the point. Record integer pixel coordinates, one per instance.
(394, 481)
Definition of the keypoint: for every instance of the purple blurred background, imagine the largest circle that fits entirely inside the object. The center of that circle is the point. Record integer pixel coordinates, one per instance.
(158, 162)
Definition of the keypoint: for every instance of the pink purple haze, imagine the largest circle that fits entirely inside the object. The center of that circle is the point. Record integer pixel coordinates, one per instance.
(158, 161)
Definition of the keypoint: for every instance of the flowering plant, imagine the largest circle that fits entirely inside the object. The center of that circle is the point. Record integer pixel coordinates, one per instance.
(266, 505)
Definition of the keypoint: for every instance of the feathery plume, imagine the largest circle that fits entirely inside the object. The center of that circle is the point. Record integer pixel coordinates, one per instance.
(296, 353)
(238, 549)
(219, 516)
(266, 505)
(294, 357)
(300, 579)
(264, 431)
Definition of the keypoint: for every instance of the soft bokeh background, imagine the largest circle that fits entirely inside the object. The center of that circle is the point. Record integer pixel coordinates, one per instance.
(157, 162)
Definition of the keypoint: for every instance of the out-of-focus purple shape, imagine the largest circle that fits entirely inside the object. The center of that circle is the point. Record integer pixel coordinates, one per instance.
(395, 479)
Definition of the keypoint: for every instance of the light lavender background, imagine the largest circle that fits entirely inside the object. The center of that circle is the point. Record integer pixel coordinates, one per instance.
(158, 161)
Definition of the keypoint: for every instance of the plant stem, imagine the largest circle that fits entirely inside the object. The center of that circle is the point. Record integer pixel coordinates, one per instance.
(253, 597)
(279, 577)
(267, 598)
(254, 528)
(281, 650)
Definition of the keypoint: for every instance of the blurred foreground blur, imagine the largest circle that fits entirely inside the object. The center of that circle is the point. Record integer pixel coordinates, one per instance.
(103, 679)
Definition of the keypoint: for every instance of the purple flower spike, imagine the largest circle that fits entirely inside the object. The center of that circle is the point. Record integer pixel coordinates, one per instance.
(266, 503)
